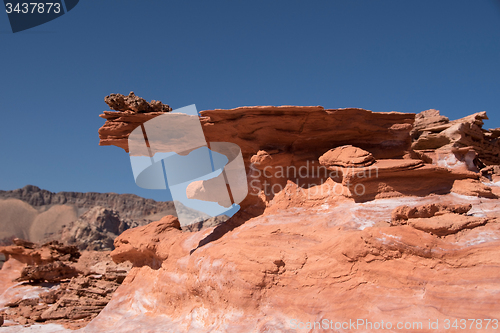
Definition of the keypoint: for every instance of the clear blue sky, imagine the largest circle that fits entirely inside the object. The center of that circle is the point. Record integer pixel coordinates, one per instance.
(405, 56)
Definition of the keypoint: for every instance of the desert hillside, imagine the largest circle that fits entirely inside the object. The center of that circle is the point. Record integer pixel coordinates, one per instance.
(34, 214)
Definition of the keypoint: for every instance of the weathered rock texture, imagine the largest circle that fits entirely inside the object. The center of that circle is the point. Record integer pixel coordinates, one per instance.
(288, 129)
(308, 263)
(402, 214)
(77, 292)
(136, 104)
(432, 131)
(33, 254)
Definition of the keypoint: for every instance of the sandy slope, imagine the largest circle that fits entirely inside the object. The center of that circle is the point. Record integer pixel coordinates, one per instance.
(51, 221)
(22, 213)
(20, 219)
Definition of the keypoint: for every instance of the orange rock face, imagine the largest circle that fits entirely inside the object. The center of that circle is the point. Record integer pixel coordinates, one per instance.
(303, 264)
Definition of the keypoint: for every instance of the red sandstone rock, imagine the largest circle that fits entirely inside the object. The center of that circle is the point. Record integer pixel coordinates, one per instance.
(286, 128)
(52, 272)
(147, 245)
(405, 177)
(264, 159)
(300, 264)
(72, 300)
(273, 138)
(492, 173)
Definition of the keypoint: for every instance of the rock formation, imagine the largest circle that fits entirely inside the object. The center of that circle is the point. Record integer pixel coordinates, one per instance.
(352, 216)
(309, 263)
(465, 138)
(394, 219)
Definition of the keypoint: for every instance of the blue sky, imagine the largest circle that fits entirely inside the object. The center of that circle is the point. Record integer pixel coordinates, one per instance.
(405, 56)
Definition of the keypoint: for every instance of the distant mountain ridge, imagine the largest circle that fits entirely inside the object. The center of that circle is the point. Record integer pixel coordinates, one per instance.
(88, 220)
(129, 205)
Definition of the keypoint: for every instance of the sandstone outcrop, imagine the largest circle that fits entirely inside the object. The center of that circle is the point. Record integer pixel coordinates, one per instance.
(473, 187)
(492, 173)
(397, 177)
(52, 272)
(95, 230)
(402, 214)
(446, 224)
(410, 235)
(437, 219)
(435, 132)
(288, 129)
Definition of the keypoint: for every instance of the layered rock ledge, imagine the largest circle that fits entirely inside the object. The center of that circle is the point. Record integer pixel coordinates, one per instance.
(394, 149)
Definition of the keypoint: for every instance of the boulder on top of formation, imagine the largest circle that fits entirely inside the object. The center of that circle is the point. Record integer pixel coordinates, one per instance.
(347, 156)
(134, 103)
